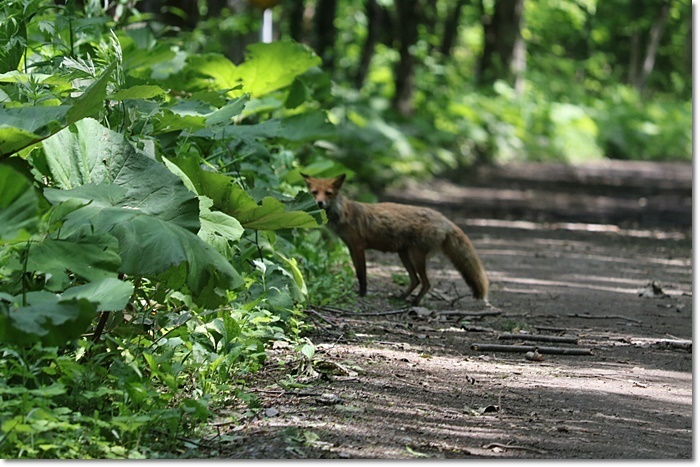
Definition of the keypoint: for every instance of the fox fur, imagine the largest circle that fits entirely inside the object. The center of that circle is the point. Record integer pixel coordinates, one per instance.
(413, 232)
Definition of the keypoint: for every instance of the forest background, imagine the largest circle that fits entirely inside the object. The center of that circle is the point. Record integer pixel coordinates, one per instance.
(155, 238)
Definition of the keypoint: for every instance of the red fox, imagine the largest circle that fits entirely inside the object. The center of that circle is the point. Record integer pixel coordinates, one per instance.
(411, 231)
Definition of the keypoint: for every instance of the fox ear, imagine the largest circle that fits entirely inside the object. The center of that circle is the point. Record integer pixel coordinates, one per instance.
(338, 181)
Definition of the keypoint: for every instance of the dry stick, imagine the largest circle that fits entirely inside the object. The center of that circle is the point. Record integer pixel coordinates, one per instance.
(340, 311)
(384, 313)
(552, 329)
(334, 309)
(530, 337)
(471, 314)
(316, 313)
(679, 344)
(589, 316)
(512, 446)
(531, 348)
(477, 329)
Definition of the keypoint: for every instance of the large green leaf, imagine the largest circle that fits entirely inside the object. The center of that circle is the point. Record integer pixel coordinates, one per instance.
(149, 245)
(267, 67)
(88, 153)
(271, 215)
(307, 126)
(19, 207)
(109, 294)
(49, 322)
(218, 229)
(21, 127)
(91, 256)
(272, 66)
(196, 114)
(228, 197)
(142, 91)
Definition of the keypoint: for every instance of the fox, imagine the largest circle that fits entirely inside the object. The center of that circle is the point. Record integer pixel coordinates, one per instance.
(413, 232)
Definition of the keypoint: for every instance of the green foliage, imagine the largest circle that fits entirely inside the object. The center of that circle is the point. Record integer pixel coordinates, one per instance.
(154, 235)
(158, 190)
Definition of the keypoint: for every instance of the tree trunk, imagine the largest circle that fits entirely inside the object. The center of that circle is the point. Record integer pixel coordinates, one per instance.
(325, 32)
(635, 16)
(295, 20)
(214, 7)
(451, 28)
(655, 34)
(182, 14)
(374, 21)
(503, 56)
(408, 14)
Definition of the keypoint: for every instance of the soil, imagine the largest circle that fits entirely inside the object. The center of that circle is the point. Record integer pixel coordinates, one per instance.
(599, 253)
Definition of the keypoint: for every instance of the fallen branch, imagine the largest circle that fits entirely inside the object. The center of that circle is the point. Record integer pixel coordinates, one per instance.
(334, 309)
(589, 316)
(513, 446)
(679, 344)
(384, 313)
(552, 329)
(342, 311)
(531, 337)
(531, 348)
(471, 314)
(319, 315)
(477, 328)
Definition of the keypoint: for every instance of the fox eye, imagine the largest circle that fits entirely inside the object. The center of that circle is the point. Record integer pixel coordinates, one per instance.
(314, 192)
(329, 193)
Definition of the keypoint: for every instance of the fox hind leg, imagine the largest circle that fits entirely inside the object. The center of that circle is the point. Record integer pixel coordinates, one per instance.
(408, 264)
(418, 259)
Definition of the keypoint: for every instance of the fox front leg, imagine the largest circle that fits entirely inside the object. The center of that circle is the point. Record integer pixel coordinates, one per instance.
(358, 260)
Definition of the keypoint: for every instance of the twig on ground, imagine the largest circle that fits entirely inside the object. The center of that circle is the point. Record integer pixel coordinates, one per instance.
(342, 311)
(513, 446)
(316, 313)
(552, 329)
(384, 313)
(531, 348)
(477, 328)
(589, 316)
(334, 309)
(470, 314)
(531, 337)
(183, 439)
(677, 344)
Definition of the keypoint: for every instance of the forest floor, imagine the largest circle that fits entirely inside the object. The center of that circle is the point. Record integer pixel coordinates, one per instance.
(570, 252)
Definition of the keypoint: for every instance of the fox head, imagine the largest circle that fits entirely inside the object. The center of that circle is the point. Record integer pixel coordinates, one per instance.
(324, 190)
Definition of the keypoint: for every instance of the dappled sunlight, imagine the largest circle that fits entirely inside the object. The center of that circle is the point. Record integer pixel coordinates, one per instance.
(581, 227)
(432, 401)
(571, 284)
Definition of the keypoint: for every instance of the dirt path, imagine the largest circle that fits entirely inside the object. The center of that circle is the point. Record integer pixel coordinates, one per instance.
(567, 251)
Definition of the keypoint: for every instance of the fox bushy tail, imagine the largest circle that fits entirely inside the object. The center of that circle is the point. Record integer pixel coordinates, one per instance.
(459, 249)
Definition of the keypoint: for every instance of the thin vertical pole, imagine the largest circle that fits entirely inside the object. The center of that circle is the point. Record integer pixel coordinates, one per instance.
(267, 26)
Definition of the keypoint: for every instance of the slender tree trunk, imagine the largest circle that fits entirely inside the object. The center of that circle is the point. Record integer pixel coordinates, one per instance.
(325, 32)
(374, 21)
(635, 14)
(451, 28)
(408, 14)
(518, 64)
(295, 20)
(430, 19)
(214, 7)
(655, 34)
(504, 48)
(186, 17)
(634, 58)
